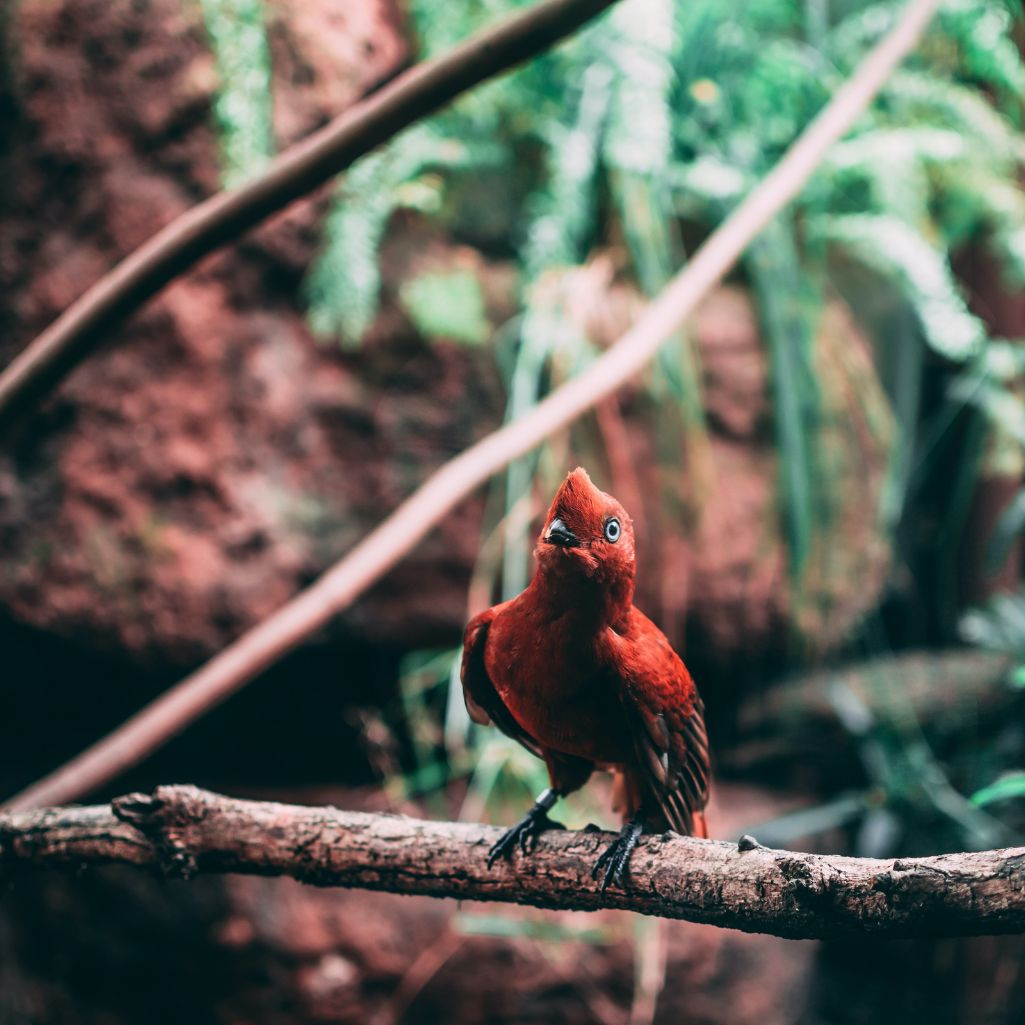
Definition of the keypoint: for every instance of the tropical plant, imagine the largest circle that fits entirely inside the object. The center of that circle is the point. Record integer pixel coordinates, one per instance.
(665, 114)
(646, 130)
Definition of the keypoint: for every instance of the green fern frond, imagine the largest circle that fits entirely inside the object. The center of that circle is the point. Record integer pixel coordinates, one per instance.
(980, 203)
(987, 52)
(853, 34)
(342, 287)
(638, 150)
(886, 169)
(893, 248)
(872, 149)
(639, 137)
(565, 203)
(243, 104)
(924, 97)
(708, 185)
(637, 145)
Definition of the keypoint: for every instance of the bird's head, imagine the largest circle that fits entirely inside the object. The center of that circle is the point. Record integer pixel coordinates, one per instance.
(587, 532)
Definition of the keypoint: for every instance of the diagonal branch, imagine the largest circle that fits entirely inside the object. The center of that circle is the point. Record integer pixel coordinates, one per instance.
(310, 610)
(224, 217)
(183, 831)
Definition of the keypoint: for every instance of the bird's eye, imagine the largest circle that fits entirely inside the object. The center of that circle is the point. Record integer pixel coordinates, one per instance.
(613, 530)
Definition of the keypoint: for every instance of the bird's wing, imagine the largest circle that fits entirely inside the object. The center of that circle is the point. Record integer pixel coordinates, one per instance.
(483, 702)
(666, 719)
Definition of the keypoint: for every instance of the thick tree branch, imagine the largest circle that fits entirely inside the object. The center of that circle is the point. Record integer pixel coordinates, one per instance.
(224, 217)
(182, 831)
(403, 530)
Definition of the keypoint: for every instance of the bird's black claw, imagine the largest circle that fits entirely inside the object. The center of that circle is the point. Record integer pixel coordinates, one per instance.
(616, 856)
(524, 834)
(747, 843)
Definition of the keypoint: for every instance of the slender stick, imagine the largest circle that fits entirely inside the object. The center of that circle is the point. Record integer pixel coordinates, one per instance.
(183, 831)
(413, 95)
(400, 532)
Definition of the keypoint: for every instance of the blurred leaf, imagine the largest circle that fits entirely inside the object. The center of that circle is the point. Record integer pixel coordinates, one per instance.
(422, 677)
(1011, 785)
(447, 304)
(924, 97)
(650, 944)
(782, 830)
(457, 720)
(506, 775)
(547, 929)
(998, 626)
(986, 50)
(342, 286)
(782, 294)
(878, 834)
(891, 247)
(1005, 533)
(243, 105)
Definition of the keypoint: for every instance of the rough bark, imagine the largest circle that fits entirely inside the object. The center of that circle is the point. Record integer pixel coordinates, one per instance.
(182, 831)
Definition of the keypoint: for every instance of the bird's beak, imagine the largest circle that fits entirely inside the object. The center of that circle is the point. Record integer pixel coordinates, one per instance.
(559, 534)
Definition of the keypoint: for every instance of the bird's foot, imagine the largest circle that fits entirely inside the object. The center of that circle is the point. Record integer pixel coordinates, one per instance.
(524, 834)
(616, 856)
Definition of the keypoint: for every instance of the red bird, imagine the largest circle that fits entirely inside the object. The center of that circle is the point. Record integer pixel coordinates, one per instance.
(583, 679)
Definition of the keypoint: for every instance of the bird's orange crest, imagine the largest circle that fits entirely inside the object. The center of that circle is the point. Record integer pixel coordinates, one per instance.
(586, 531)
(578, 675)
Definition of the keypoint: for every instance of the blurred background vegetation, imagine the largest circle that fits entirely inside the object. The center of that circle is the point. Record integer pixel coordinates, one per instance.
(630, 144)
(848, 412)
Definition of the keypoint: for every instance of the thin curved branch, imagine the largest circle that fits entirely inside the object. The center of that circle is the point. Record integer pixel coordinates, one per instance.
(224, 217)
(397, 535)
(183, 831)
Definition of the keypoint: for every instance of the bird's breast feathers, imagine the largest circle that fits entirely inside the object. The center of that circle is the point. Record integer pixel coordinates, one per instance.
(559, 691)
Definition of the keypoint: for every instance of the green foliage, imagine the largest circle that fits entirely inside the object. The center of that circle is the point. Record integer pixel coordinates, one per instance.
(788, 324)
(1009, 527)
(564, 213)
(1000, 626)
(984, 51)
(243, 105)
(891, 246)
(1011, 785)
(651, 126)
(343, 285)
(447, 304)
(668, 109)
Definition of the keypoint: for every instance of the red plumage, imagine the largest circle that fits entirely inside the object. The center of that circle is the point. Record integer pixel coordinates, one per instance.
(577, 674)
